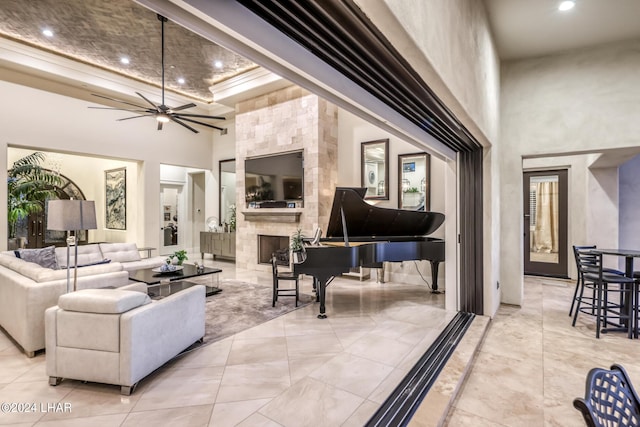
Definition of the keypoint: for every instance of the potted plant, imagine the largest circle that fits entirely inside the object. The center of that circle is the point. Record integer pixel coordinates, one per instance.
(29, 185)
(180, 256)
(296, 246)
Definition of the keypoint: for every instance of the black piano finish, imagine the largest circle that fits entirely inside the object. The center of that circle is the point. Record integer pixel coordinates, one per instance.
(391, 235)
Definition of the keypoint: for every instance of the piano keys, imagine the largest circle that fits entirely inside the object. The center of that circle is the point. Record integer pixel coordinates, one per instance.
(363, 235)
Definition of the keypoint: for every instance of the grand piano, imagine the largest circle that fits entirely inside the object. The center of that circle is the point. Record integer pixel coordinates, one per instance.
(362, 235)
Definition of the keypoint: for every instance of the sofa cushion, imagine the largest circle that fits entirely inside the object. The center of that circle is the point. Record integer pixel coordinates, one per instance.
(120, 252)
(45, 257)
(87, 254)
(104, 261)
(106, 301)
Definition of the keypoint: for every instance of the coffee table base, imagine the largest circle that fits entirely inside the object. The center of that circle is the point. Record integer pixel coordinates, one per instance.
(164, 289)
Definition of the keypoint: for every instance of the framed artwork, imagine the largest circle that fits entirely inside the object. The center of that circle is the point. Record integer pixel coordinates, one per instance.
(375, 169)
(167, 216)
(414, 179)
(115, 190)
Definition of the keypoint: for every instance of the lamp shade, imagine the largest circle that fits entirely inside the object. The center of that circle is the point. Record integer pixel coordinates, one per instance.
(65, 215)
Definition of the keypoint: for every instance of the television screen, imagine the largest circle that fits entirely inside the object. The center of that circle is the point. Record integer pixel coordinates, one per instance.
(277, 177)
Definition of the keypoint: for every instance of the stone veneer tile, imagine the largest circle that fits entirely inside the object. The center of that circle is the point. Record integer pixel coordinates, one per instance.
(287, 120)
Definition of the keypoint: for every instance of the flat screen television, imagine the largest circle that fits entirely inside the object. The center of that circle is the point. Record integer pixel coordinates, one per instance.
(277, 177)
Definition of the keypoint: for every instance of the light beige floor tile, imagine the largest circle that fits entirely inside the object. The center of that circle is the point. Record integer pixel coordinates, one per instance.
(352, 373)
(13, 366)
(96, 421)
(180, 387)
(461, 418)
(272, 328)
(362, 414)
(258, 420)
(386, 387)
(312, 403)
(214, 354)
(92, 399)
(324, 344)
(233, 413)
(175, 417)
(380, 349)
(253, 381)
(306, 326)
(33, 393)
(257, 350)
(300, 367)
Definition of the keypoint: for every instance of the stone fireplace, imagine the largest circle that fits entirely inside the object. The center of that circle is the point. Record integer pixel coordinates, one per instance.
(268, 245)
(286, 120)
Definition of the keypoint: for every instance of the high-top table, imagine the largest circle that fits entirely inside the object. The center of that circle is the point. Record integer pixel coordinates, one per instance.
(162, 284)
(629, 255)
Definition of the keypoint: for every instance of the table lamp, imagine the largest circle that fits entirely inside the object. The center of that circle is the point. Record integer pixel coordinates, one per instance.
(71, 215)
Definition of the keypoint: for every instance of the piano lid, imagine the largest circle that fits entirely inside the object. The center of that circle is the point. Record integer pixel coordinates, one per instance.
(363, 219)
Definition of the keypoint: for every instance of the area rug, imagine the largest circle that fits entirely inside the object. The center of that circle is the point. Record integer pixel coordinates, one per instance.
(243, 305)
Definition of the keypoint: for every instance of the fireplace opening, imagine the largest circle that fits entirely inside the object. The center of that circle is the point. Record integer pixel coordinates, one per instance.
(267, 245)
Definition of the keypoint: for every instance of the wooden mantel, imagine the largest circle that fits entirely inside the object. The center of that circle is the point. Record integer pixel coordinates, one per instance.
(289, 215)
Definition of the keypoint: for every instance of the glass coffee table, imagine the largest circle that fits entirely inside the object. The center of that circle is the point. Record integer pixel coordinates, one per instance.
(162, 284)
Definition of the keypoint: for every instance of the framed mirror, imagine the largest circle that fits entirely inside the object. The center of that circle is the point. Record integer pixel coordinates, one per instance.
(414, 181)
(227, 193)
(375, 169)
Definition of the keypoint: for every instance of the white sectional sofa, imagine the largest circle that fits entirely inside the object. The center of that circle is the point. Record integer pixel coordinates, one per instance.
(27, 289)
(119, 337)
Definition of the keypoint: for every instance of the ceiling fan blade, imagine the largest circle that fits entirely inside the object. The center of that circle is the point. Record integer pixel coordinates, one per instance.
(159, 125)
(199, 123)
(117, 100)
(183, 107)
(183, 124)
(134, 117)
(146, 110)
(202, 116)
(151, 103)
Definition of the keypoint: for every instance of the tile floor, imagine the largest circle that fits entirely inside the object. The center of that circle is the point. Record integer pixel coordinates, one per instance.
(298, 371)
(532, 363)
(295, 370)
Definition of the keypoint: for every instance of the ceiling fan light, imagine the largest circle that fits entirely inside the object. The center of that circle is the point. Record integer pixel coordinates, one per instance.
(163, 118)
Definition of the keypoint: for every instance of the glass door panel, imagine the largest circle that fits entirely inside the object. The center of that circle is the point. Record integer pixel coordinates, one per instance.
(545, 223)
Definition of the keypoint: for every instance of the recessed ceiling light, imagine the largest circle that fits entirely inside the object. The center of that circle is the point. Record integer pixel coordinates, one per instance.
(566, 5)
(181, 80)
(47, 32)
(124, 60)
(217, 64)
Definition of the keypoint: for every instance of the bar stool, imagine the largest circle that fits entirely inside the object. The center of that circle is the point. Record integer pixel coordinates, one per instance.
(619, 314)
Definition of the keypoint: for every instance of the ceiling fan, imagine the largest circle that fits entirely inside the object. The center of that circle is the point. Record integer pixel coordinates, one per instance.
(162, 113)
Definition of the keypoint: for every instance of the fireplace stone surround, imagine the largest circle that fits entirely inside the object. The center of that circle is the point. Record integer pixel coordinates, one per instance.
(285, 120)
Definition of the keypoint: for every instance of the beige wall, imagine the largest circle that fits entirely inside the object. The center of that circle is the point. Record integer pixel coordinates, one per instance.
(66, 124)
(448, 42)
(581, 101)
(88, 174)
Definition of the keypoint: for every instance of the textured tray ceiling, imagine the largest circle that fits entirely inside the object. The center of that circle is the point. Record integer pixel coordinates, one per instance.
(100, 32)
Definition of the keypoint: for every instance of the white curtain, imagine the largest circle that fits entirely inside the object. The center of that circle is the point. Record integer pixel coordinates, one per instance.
(546, 230)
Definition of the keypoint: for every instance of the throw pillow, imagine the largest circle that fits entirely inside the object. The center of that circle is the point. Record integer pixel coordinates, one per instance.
(45, 257)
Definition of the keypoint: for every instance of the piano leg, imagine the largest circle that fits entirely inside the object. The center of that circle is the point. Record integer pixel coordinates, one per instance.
(320, 295)
(434, 277)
